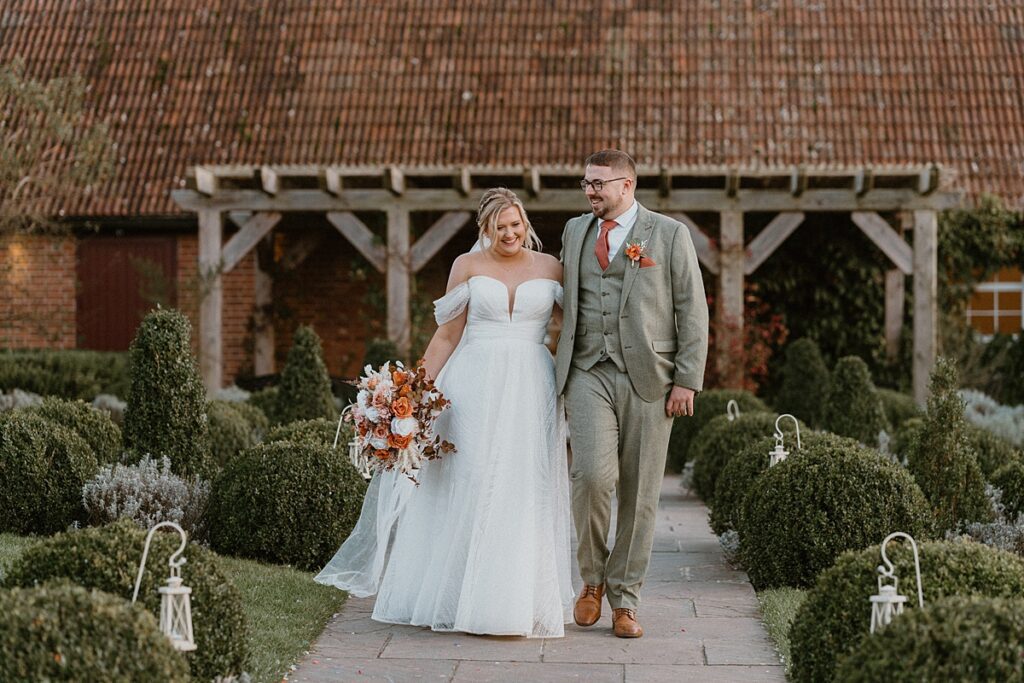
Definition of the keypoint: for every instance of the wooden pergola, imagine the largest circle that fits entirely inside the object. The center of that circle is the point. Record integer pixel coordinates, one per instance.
(255, 197)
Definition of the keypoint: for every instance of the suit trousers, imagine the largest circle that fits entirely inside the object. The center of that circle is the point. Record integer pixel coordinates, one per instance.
(619, 443)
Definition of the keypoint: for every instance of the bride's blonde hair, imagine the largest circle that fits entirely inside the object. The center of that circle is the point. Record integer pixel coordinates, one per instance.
(494, 201)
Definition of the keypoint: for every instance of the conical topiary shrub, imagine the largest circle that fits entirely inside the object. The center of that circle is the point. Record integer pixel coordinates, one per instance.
(805, 382)
(941, 460)
(166, 414)
(305, 389)
(853, 407)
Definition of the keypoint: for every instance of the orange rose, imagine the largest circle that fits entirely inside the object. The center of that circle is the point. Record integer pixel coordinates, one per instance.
(401, 407)
(405, 391)
(363, 429)
(381, 431)
(399, 378)
(381, 454)
(396, 441)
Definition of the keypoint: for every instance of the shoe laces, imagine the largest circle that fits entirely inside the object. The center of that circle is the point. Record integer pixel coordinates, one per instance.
(631, 613)
(590, 591)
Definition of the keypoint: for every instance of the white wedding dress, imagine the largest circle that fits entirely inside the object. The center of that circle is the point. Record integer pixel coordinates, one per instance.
(483, 544)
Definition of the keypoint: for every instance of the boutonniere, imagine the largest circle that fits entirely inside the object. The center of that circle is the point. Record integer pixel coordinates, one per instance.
(636, 251)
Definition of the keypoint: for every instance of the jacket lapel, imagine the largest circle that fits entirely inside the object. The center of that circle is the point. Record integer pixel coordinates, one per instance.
(641, 232)
(574, 253)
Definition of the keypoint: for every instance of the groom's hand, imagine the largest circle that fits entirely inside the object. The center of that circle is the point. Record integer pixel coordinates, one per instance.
(680, 402)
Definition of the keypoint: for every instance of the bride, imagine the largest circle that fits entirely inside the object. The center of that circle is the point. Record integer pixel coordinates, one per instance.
(483, 544)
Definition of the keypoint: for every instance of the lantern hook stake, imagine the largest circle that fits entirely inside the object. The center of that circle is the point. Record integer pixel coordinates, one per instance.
(732, 409)
(889, 571)
(778, 432)
(175, 560)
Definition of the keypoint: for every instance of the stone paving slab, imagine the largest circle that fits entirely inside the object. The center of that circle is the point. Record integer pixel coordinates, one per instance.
(700, 616)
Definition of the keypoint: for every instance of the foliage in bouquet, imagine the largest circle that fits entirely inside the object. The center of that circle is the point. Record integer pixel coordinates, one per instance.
(394, 417)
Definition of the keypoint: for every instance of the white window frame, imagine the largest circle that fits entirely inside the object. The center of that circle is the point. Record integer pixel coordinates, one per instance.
(996, 288)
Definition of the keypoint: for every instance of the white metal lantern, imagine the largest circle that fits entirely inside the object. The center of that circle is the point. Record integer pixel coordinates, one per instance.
(355, 449)
(732, 409)
(175, 600)
(779, 453)
(888, 602)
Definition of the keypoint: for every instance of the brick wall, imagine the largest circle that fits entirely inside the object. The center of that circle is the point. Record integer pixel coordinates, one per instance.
(37, 292)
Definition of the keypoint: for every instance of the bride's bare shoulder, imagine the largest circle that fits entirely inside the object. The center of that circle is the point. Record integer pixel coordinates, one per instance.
(551, 267)
(463, 267)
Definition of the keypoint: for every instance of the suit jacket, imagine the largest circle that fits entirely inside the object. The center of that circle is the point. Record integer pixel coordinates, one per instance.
(663, 314)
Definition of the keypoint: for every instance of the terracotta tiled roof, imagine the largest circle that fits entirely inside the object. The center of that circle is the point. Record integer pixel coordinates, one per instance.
(752, 82)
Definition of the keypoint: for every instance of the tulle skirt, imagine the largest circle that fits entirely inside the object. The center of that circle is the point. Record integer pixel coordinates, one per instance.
(483, 544)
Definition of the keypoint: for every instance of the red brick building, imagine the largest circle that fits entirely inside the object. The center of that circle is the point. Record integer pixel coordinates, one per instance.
(377, 83)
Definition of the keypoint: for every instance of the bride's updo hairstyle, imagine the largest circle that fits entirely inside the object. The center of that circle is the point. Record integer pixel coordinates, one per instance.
(494, 201)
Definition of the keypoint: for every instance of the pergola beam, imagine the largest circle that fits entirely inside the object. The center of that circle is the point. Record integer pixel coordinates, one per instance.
(770, 238)
(707, 254)
(361, 237)
(438, 235)
(248, 236)
(563, 200)
(886, 239)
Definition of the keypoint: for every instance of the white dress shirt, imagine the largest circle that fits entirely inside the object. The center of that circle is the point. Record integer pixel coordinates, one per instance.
(617, 235)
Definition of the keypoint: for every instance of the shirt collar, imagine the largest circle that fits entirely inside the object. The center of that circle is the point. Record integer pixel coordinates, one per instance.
(627, 219)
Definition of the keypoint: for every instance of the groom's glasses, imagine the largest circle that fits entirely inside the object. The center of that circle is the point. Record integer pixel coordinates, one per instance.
(598, 185)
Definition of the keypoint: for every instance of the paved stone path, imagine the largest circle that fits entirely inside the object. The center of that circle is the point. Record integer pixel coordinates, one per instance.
(701, 622)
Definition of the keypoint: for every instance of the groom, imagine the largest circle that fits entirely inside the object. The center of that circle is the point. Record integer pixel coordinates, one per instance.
(630, 358)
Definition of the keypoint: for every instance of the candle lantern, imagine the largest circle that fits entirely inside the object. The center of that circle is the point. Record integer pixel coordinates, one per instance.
(888, 603)
(175, 597)
(779, 453)
(355, 448)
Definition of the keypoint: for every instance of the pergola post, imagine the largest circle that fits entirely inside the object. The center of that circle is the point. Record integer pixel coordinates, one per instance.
(729, 302)
(399, 279)
(926, 231)
(263, 322)
(211, 298)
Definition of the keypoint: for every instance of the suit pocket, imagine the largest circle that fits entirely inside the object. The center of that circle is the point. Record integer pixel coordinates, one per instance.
(668, 346)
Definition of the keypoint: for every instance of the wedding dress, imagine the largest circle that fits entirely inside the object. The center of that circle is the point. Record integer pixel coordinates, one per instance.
(483, 544)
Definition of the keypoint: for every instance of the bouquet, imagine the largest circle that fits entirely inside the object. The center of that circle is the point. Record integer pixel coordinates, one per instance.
(394, 416)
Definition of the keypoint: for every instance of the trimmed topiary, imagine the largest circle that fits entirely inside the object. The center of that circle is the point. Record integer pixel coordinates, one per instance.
(265, 400)
(903, 436)
(259, 425)
(805, 382)
(305, 387)
(853, 407)
(746, 466)
(166, 414)
(318, 432)
(43, 467)
(707, 405)
(230, 433)
(107, 558)
(723, 438)
(954, 639)
(93, 425)
(991, 451)
(286, 502)
(898, 407)
(63, 632)
(802, 513)
(1010, 480)
(836, 613)
(940, 458)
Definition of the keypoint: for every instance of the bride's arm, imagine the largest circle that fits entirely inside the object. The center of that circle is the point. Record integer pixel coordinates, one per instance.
(448, 335)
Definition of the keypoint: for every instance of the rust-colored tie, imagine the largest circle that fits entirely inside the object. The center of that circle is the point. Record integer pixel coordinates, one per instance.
(601, 248)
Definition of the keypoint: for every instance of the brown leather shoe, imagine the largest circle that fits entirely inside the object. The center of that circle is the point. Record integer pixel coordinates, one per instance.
(588, 605)
(625, 623)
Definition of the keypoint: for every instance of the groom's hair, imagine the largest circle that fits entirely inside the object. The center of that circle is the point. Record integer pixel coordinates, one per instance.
(614, 159)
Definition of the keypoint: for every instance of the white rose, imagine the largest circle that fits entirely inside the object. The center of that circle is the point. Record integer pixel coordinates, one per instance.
(378, 443)
(363, 398)
(372, 414)
(404, 426)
